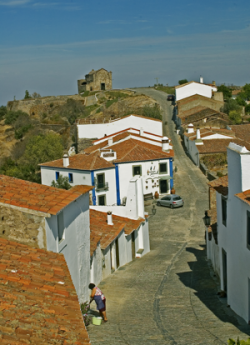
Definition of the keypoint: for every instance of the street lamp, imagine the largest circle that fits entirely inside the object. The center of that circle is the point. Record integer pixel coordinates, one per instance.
(206, 219)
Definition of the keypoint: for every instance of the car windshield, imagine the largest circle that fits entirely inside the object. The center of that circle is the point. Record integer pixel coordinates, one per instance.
(177, 198)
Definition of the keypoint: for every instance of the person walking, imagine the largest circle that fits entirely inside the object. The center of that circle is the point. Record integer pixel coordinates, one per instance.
(100, 300)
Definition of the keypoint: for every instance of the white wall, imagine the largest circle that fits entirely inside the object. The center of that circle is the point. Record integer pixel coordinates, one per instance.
(193, 89)
(48, 175)
(150, 171)
(99, 130)
(192, 150)
(213, 253)
(96, 266)
(111, 192)
(76, 243)
(216, 136)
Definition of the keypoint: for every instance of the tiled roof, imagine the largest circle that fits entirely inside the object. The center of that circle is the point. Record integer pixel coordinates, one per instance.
(81, 162)
(106, 234)
(204, 132)
(220, 185)
(196, 97)
(36, 196)
(190, 82)
(135, 151)
(219, 145)
(125, 135)
(242, 131)
(200, 114)
(105, 143)
(39, 304)
(244, 196)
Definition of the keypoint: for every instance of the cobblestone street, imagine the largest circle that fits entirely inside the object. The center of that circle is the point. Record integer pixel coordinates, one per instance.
(169, 296)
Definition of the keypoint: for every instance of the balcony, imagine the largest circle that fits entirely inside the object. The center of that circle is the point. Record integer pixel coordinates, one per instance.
(101, 186)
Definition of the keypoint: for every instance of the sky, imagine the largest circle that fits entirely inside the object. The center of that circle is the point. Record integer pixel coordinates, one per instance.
(47, 45)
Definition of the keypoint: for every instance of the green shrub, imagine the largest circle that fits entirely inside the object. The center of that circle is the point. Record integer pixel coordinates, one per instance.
(62, 183)
(238, 342)
(12, 116)
(110, 102)
(19, 133)
(235, 117)
(247, 109)
(153, 112)
(3, 112)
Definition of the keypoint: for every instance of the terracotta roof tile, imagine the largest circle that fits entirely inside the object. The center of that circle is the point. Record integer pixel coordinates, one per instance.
(242, 131)
(219, 145)
(198, 113)
(244, 196)
(196, 97)
(134, 150)
(37, 197)
(81, 162)
(36, 308)
(220, 185)
(106, 234)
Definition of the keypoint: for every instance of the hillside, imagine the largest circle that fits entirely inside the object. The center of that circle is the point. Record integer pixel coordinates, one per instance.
(26, 122)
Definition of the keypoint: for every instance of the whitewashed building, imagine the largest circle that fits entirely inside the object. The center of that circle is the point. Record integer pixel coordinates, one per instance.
(206, 141)
(193, 88)
(104, 129)
(233, 231)
(110, 164)
(49, 218)
(118, 234)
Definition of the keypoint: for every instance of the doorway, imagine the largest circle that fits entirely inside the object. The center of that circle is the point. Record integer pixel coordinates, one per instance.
(103, 86)
(163, 186)
(133, 244)
(117, 253)
(224, 267)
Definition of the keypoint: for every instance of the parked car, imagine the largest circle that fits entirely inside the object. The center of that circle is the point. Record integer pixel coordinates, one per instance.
(172, 200)
(171, 98)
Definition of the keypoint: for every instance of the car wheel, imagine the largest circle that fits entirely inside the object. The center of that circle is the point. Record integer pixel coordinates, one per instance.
(158, 203)
(171, 206)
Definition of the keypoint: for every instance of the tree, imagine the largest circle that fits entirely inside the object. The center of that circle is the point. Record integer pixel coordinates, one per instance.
(235, 117)
(227, 93)
(35, 95)
(43, 148)
(247, 109)
(183, 81)
(62, 182)
(27, 95)
(3, 112)
(230, 105)
(11, 116)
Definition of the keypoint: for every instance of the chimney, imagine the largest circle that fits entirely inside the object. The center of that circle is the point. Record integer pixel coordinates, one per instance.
(141, 132)
(190, 128)
(165, 144)
(214, 83)
(65, 160)
(238, 169)
(201, 79)
(109, 218)
(198, 140)
(198, 134)
(110, 141)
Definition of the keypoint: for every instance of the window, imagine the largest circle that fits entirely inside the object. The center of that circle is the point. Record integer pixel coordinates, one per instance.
(100, 181)
(60, 226)
(102, 200)
(163, 168)
(136, 170)
(248, 229)
(70, 178)
(224, 210)
(57, 175)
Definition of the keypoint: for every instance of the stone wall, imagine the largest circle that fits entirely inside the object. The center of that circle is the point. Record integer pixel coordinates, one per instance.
(27, 227)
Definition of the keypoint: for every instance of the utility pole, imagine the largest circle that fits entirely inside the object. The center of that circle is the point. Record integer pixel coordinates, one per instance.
(156, 81)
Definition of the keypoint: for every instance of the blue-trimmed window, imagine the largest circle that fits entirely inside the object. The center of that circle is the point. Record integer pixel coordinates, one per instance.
(57, 175)
(70, 178)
